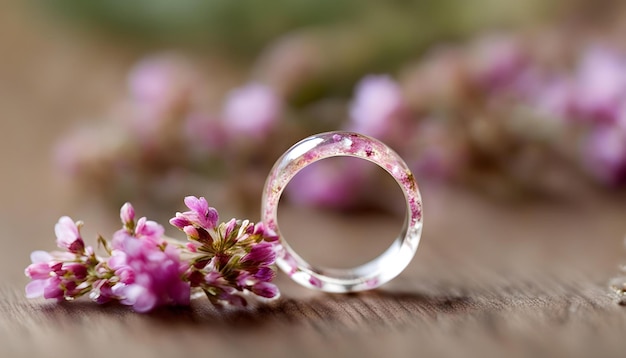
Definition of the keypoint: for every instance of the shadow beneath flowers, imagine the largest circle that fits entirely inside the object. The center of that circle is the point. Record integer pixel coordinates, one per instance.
(376, 308)
(321, 312)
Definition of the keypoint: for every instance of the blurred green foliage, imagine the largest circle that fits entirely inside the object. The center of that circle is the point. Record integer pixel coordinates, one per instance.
(246, 26)
(240, 25)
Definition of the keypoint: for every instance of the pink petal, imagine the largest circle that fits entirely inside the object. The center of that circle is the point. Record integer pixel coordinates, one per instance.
(149, 229)
(35, 288)
(38, 271)
(66, 230)
(146, 302)
(52, 288)
(199, 205)
(40, 256)
(180, 221)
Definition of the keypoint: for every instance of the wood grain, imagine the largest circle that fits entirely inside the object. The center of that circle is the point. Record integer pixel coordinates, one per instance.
(537, 290)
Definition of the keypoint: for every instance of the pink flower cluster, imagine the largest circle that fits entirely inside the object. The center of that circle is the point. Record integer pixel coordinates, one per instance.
(592, 95)
(230, 262)
(233, 259)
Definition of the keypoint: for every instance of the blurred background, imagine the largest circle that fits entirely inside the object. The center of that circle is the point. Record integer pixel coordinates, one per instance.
(103, 102)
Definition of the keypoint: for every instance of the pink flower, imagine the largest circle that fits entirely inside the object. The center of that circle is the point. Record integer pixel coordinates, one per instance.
(68, 235)
(40, 267)
(378, 106)
(148, 229)
(498, 62)
(144, 229)
(267, 233)
(152, 273)
(201, 214)
(146, 271)
(39, 271)
(251, 111)
(158, 80)
(601, 85)
(52, 277)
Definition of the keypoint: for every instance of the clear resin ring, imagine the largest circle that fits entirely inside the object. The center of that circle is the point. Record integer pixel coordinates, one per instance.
(381, 269)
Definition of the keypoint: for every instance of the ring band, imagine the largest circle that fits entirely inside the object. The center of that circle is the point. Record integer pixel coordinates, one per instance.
(381, 269)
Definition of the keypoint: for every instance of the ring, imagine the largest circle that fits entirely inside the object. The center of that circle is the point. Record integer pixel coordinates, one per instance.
(381, 269)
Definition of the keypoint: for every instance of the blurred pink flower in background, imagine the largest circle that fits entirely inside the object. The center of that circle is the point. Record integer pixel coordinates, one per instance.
(601, 84)
(498, 60)
(604, 153)
(161, 91)
(159, 80)
(251, 111)
(463, 110)
(555, 98)
(378, 108)
(87, 149)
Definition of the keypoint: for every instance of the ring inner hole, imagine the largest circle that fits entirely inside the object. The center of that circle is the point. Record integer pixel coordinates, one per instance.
(341, 212)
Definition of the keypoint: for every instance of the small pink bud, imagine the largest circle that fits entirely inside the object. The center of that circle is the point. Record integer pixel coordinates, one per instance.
(262, 254)
(230, 226)
(265, 274)
(127, 214)
(192, 232)
(265, 289)
(180, 221)
(38, 271)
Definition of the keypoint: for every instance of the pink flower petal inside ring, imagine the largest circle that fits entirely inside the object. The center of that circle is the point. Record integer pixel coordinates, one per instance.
(381, 269)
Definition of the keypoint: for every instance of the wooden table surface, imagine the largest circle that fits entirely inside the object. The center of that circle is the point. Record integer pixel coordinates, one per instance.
(489, 279)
